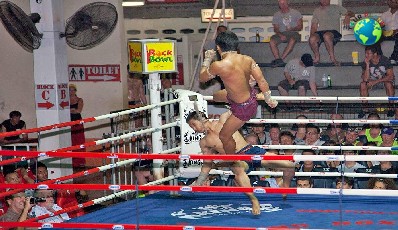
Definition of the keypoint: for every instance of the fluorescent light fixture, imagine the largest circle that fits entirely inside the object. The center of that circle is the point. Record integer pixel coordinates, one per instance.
(133, 3)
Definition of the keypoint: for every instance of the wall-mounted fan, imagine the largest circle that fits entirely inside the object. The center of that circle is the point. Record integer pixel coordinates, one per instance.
(90, 25)
(20, 26)
(87, 28)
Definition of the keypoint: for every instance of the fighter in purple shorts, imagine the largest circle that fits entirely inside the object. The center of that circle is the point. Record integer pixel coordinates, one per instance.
(236, 71)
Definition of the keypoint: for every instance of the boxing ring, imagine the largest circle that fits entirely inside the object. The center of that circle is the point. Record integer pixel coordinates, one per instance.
(215, 207)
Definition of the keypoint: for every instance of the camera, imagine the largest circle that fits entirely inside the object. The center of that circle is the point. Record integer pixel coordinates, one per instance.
(35, 200)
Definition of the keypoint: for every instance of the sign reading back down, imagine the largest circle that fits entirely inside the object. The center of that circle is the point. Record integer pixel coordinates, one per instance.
(94, 72)
(152, 56)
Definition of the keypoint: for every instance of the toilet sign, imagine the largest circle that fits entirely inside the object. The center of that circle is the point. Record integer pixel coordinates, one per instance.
(45, 96)
(104, 73)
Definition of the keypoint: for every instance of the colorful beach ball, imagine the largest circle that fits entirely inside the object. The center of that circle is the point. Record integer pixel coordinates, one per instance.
(367, 31)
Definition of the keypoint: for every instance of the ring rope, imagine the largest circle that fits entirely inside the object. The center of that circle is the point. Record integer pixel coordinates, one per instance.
(298, 98)
(311, 174)
(115, 187)
(207, 157)
(87, 120)
(97, 201)
(322, 121)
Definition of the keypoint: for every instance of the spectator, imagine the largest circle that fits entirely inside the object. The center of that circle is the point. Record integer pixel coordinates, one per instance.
(299, 130)
(390, 20)
(377, 73)
(304, 182)
(287, 138)
(47, 207)
(64, 197)
(252, 139)
(312, 136)
(77, 131)
(274, 135)
(369, 164)
(385, 167)
(351, 137)
(40, 171)
(300, 75)
(259, 130)
(329, 164)
(136, 97)
(308, 165)
(349, 166)
(325, 26)
(344, 182)
(142, 168)
(335, 131)
(18, 208)
(371, 132)
(13, 124)
(286, 22)
(388, 139)
(381, 183)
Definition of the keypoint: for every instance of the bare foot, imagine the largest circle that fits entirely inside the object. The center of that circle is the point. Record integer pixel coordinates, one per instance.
(336, 63)
(255, 207)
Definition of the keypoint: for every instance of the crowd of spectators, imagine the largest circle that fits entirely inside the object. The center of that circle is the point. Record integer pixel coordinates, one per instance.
(332, 135)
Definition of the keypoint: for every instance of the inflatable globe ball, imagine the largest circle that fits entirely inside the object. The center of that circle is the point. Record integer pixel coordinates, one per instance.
(367, 31)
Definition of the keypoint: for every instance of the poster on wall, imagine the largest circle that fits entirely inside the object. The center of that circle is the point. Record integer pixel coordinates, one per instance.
(108, 72)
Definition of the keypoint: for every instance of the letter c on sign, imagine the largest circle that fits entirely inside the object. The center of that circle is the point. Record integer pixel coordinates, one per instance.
(45, 94)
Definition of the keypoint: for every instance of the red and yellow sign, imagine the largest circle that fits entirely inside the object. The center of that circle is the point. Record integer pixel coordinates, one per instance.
(152, 56)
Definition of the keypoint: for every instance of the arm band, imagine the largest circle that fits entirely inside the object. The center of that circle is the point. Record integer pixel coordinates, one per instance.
(201, 178)
(267, 95)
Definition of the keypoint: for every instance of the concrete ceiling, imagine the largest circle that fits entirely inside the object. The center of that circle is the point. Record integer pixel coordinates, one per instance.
(243, 8)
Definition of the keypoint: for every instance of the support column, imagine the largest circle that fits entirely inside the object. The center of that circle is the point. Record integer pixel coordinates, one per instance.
(51, 79)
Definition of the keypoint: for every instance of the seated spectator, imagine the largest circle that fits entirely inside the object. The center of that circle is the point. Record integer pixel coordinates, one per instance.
(329, 164)
(47, 207)
(286, 23)
(369, 164)
(351, 137)
(304, 182)
(390, 20)
(344, 182)
(299, 130)
(307, 166)
(371, 132)
(18, 208)
(385, 167)
(381, 183)
(377, 73)
(349, 166)
(252, 139)
(312, 136)
(64, 197)
(287, 138)
(274, 135)
(335, 131)
(259, 130)
(13, 124)
(325, 27)
(300, 75)
(388, 139)
(40, 171)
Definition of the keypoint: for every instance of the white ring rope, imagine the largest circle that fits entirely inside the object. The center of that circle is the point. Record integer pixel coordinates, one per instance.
(325, 121)
(311, 174)
(298, 98)
(316, 147)
(348, 192)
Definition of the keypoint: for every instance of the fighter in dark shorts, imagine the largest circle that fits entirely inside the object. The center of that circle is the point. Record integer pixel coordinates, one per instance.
(252, 150)
(246, 110)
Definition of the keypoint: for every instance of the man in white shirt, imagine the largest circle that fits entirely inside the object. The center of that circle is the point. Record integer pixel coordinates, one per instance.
(47, 207)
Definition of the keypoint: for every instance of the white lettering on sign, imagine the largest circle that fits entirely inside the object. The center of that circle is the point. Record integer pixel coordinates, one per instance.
(94, 72)
(212, 211)
(63, 96)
